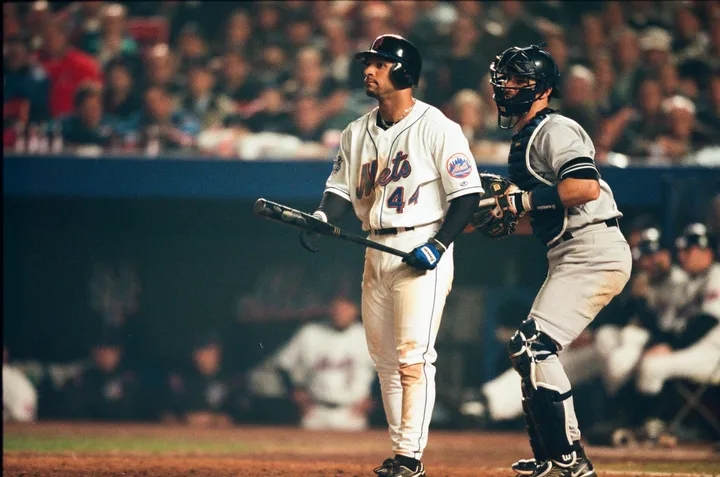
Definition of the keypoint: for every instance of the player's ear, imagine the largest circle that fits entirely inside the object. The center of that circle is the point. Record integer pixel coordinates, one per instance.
(546, 94)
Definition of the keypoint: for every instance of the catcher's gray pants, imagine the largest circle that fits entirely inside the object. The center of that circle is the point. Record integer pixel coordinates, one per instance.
(584, 274)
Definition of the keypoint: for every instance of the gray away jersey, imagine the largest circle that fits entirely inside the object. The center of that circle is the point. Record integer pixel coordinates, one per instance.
(556, 146)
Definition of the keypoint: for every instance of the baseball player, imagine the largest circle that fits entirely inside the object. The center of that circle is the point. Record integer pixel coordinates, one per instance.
(408, 173)
(572, 211)
(329, 371)
(656, 292)
(688, 346)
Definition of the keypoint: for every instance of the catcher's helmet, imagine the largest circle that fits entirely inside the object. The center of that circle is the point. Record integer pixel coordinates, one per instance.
(405, 73)
(531, 62)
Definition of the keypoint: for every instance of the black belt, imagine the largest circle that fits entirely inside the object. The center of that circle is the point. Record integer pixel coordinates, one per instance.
(569, 235)
(329, 405)
(391, 231)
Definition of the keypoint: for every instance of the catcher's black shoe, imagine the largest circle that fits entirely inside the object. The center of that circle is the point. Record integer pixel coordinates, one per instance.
(392, 468)
(524, 466)
(579, 467)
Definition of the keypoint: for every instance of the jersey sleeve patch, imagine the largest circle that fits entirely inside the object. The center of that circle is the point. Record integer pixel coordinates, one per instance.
(458, 166)
(337, 164)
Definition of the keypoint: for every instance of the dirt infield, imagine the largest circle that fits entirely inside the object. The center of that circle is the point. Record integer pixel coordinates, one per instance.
(105, 450)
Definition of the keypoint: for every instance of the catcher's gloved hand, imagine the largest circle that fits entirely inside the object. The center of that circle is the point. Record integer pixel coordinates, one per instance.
(500, 221)
(306, 236)
(516, 202)
(427, 256)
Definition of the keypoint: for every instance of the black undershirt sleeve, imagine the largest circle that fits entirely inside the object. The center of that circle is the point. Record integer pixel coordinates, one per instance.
(333, 206)
(458, 216)
(697, 327)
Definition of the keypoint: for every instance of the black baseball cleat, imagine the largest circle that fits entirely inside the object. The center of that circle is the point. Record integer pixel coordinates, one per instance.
(524, 466)
(392, 468)
(580, 466)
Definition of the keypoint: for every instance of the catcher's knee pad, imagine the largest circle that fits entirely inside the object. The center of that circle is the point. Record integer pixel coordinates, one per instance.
(528, 346)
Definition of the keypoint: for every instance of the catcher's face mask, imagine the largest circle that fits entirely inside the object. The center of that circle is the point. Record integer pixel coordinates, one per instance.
(519, 77)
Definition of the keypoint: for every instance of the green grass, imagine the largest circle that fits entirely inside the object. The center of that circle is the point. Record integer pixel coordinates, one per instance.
(119, 444)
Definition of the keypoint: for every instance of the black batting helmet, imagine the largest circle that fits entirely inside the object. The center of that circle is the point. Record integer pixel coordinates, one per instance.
(648, 244)
(405, 73)
(532, 62)
(695, 234)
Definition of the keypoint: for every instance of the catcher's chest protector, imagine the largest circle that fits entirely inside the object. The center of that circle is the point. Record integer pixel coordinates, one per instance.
(546, 224)
(520, 175)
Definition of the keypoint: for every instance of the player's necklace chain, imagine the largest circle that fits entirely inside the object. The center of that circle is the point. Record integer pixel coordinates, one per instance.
(405, 113)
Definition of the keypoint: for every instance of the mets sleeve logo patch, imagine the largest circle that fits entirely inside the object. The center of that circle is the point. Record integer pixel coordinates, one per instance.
(337, 164)
(458, 166)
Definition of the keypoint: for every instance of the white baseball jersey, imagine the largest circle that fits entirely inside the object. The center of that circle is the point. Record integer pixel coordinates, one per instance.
(403, 176)
(334, 366)
(19, 396)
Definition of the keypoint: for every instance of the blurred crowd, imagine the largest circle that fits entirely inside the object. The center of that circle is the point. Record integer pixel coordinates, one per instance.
(273, 79)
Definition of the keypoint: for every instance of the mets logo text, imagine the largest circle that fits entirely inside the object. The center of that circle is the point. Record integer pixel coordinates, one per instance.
(459, 166)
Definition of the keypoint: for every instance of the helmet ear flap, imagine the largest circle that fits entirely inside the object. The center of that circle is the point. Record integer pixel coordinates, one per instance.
(401, 76)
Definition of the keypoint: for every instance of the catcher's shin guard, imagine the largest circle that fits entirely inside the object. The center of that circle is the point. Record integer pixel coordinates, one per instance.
(544, 407)
(536, 445)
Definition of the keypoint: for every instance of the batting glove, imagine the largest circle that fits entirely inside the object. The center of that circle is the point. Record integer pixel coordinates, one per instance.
(426, 257)
(306, 236)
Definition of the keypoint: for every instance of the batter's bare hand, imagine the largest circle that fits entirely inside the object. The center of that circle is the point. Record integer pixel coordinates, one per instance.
(306, 236)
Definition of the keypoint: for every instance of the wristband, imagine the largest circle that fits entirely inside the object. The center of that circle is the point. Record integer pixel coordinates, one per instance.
(320, 215)
(546, 198)
(438, 245)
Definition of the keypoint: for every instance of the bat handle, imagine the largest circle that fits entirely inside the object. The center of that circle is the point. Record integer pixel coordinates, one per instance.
(485, 203)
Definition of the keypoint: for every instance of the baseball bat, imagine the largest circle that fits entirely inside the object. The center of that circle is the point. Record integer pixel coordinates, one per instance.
(486, 203)
(296, 218)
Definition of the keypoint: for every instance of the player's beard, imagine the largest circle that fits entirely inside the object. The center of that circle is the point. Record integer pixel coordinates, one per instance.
(374, 90)
(373, 93)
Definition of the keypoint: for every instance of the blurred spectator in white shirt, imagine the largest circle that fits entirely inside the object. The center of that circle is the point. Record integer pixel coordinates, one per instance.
(19, 394)
(678, 139)
(328, 370)
(655, 44)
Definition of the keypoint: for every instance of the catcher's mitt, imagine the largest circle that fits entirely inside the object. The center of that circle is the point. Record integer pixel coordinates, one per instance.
(493, 223)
